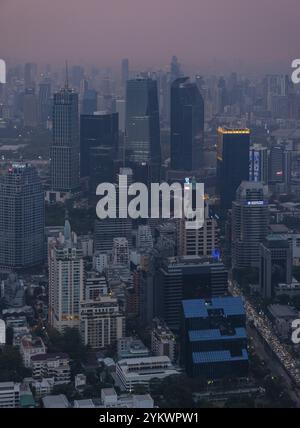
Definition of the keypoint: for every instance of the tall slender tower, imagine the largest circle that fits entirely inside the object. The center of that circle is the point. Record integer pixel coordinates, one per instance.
(22, 218)
(232, 162)
(142, 123)
(187, 125)
(250, 219)
(66, 280)
(64, 150)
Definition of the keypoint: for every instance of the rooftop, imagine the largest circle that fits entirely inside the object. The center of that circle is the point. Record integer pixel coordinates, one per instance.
(199, 308)
(206, 335)
(218, 357)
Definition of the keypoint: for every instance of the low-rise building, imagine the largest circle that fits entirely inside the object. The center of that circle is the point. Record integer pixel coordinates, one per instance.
(55, 366)
(56, 402)
(139, 371)
(29, 347)
(9, 395)
(130, 347)
(110, 400)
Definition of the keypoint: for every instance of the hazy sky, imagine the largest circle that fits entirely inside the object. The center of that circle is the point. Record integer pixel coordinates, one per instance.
(202, 33)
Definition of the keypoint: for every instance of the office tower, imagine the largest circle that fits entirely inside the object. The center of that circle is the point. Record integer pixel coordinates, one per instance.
(202, 241)
(66, 280)
(142, 123)
(232, 162)
(106, 230)
(22, 218)
(183, 278)
(44, 102)
(64, 150)
(280, 161)
(187, 126)
(125, 73)
(258, 171)
(214, 338)
(98, 130)
(175, 69)
(89, 102)
(102, 323)
(102, 166)
(275, 264)
(121, 110)
(250, 220)
(274, 85)
(30, 75)
(30, 109)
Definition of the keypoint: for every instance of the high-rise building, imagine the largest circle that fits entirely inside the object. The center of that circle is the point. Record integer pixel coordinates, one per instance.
(22, 218)
(121, 110)
(232, 162)
(102, 323)
(280, 161)
(44, 101)
(142, 123)
(30, 75)
(66, 280)
(89, 102)
(202, 241)
(250, 220)
(175, 69)
(187, 125)
(187, 278)
(98, 131)
(276, 262)
(30, 109)
(258, 170)
(214, 338)
(64, 150)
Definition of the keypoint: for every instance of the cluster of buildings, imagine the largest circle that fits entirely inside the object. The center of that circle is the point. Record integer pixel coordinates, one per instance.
(159, 275)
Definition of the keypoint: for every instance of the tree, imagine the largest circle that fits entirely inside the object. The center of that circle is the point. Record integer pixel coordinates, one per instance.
(11, 365)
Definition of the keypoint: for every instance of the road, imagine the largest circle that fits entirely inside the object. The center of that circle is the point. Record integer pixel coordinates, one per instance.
(265, 329)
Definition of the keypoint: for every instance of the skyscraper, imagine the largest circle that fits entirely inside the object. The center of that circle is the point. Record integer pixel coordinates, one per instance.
(66, 280)
(44, 101)
(30, 108)
(258, 169)
(276, 262)
(22, 218)
(142, 123)
(98, 130)
(187, 125)
(89, 102)
(232, 162)
(64, 151)
(250, 219)
(189, 277)
(214, 338)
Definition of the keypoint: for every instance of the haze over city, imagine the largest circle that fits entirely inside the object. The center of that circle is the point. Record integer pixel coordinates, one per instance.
(209, 35)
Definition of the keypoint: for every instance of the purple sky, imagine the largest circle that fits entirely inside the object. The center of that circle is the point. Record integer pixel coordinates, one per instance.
(202, 33)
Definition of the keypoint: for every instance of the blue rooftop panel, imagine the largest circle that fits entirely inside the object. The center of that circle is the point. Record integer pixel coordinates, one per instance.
(206, 335)
(218, 357)
(199, 308)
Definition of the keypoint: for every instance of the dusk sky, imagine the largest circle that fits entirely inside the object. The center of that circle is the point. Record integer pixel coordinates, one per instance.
(257, 34)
